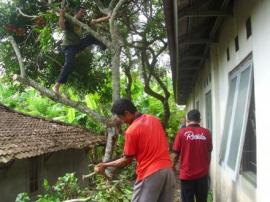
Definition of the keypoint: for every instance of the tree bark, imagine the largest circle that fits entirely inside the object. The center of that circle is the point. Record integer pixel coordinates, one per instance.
(127, 69)
(111, 132)
(116, 74)
(18, 54)
(129, 82)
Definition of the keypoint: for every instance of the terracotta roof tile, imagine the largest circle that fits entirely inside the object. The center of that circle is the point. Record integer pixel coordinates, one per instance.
(24, 136)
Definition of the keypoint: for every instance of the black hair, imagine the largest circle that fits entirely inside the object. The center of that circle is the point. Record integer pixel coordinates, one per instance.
(79, 7)
(121, 105)
(194, 115)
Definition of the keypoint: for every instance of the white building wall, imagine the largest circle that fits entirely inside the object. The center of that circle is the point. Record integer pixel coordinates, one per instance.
(258, 44)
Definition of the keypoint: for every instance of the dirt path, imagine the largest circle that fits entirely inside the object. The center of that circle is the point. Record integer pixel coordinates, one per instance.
(177, 191)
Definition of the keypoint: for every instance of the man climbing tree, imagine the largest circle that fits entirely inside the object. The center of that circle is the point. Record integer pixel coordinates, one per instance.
(73, 44)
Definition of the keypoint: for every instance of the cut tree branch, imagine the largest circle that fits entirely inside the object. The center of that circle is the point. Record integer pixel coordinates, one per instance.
(78, 200)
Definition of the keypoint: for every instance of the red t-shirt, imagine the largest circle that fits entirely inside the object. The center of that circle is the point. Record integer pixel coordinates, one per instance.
(145, 140)
(194, 145)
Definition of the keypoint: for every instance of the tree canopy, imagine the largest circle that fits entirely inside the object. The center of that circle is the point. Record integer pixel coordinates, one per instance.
(135, 64)
(138, 33)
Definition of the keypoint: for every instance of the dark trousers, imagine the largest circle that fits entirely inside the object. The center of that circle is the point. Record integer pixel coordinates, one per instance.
(194, 188)
(70, 52)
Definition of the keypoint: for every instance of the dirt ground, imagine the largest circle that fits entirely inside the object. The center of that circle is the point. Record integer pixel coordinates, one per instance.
(177, 191)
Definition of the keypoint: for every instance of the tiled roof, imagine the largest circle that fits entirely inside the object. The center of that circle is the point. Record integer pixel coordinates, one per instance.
(24, 136)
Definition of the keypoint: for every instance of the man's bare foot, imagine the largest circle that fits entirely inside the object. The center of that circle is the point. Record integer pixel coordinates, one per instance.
(56, 88)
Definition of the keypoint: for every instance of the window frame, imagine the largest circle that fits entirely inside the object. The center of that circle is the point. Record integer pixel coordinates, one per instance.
(237, 73)
(247, 173)
(209, 110)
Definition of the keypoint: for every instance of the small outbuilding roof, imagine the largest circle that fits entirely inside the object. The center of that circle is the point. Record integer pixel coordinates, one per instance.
(23, 136)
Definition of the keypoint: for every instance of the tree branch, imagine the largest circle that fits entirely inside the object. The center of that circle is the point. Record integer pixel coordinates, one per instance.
(101, 19)
(18, 54)
(58, 98)
(77, 22)
(88, 29)
(112, 3)
(63, 4)
(150, 67)
(116, 8)
(127, 68)
(88, 176)
(78, 200)
(53, 59)
(155, 56)
(25, 15)
(101, 7)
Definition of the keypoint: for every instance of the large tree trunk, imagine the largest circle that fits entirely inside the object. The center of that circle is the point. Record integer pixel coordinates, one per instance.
(115, 69)
(116, 46)
(116, 50)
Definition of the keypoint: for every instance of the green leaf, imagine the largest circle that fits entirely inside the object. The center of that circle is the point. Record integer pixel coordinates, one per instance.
(22, 197)
(71, 115)
(90, 101)
(46, 185)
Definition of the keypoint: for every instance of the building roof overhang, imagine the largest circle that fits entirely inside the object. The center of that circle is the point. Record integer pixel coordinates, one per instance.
(192, 27)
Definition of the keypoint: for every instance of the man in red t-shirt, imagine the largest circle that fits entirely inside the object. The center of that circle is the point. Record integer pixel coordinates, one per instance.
(194, 145)
(145, 141)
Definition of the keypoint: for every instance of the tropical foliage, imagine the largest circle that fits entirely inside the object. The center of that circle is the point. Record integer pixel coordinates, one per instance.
(29, 101)
(144, 77)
